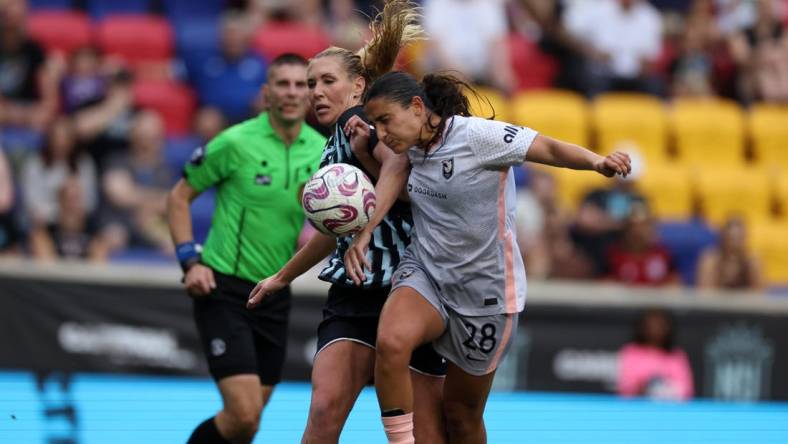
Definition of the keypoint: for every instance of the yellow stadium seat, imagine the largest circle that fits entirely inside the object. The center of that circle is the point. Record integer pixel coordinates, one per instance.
(708, 132)
(631, 118)
(781, 193)
(770, 245)
(668, 190)
(741, 191)
(559, 114)
(486, 101)
(574, 185)
(768, 125)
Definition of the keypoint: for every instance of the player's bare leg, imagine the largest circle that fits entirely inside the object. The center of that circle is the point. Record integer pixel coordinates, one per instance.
(243, 402)
(395, 344)
(464, 399)
(340, 372)
(429, 425)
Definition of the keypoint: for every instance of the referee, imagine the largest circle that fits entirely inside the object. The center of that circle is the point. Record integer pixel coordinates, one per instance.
(258, 168)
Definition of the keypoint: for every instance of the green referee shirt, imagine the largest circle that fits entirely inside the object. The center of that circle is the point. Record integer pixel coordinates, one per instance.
(258, 214)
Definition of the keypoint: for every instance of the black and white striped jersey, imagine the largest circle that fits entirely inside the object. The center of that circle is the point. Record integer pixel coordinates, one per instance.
(389, 239)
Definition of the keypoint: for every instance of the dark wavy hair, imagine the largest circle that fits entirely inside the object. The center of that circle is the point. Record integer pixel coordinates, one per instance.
(442, 93)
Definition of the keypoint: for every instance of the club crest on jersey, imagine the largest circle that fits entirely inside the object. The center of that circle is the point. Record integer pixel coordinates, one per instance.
(448, 168)
(262, 179)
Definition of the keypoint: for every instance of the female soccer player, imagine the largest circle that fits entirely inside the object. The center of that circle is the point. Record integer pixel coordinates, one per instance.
(347, 335)
(461, 282)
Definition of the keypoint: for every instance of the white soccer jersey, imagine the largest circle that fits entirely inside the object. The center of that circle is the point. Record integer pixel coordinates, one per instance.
(463, 199)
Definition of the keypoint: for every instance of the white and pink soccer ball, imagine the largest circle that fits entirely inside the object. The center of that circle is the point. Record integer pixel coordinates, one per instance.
(339, 199)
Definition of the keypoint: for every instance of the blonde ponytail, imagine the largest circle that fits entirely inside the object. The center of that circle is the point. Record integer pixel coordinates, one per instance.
(393, 28)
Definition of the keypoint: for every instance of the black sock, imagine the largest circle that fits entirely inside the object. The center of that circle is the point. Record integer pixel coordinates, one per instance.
(207, 433)
(393, 412)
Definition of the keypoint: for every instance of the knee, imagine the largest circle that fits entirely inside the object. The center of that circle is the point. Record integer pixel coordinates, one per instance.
(393, 346)
(324, 417)
(461, 418)
(244, 422)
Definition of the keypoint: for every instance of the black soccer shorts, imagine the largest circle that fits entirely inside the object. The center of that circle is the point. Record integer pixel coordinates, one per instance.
(237, 340)
(352, 314)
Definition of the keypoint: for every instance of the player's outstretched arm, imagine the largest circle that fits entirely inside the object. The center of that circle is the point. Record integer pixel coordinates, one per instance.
(549, 151)
(314, 251)
(394, 172)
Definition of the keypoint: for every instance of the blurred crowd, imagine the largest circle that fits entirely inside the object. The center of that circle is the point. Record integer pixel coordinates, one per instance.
(85, 166)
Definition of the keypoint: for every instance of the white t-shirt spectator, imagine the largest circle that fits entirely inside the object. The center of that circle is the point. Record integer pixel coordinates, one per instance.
(628, 36)
(41, 184)
(465, 30)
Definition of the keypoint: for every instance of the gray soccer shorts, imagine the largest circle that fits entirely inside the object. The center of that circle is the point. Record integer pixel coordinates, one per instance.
(476, 344)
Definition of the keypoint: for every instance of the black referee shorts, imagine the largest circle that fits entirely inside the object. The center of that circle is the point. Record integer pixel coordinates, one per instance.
(352, 314)
(241, 341)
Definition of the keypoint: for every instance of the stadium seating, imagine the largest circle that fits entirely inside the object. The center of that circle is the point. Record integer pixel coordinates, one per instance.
(173, 101)
(277, 38)
(178, 151)
(38, 5)
(488, 102)
(741, 191)
(631, 118)
(100, 9)
(574, 185)
(770, 244)
(560, 114)
(668, 189)
(197, 40)
(686, 241)
(768, 128)
(709, 132)
(63, 31)
(137, 39)
(781, 194)
(188, 10)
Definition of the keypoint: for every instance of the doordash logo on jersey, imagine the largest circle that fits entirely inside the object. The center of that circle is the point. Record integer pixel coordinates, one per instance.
(420, 189)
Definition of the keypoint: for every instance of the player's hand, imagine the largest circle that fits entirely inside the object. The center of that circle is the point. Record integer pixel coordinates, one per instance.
(356, 257)
(616, 163)
(264, 288)
(199, 280)
(359, 133)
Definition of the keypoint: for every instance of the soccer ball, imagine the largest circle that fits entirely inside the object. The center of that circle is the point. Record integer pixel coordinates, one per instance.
(339, 199)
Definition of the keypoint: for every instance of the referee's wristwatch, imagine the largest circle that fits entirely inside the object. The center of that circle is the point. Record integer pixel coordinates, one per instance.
(188, 254)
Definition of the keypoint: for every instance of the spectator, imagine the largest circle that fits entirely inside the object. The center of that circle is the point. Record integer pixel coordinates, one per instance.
(101, 101)
(467, 36)
(566, 260)
(652, 365)
(639, 258)
(626, 35)
(729, 265)
(601, 218)
(73, 235)
(45, 173)
(84, 84)
(694, 68)
(9, 228)
(136, 186)
(556, 40)
(208, 122)
(28, 84)
(761, 54)
(231, 79)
